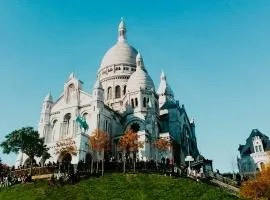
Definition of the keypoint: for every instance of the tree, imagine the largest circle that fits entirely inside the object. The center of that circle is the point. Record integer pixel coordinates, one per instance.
(258, 188)
(129, 143)
(27, 141)
(100, 143)
(45, 156)
(162, 146)
(67, 145)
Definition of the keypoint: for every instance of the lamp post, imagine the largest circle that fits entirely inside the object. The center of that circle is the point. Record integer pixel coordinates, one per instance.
(188, 158)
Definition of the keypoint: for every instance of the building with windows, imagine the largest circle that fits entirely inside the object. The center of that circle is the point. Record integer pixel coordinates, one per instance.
(254, 154)
(123, 97)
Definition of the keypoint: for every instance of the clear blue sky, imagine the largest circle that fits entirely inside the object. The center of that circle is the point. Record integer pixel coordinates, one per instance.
(216, 55)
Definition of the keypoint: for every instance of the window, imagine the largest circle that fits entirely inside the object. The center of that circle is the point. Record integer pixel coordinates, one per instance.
(144, 102)
(85, 115)
(109, 93)
(262, 165)
(260, 148)
(124, 90)
(117, 92)
(135, 127)
(132, 103)
(106, 125)
(256, 148)
(51, 138)
(136, 102)
(67, 120)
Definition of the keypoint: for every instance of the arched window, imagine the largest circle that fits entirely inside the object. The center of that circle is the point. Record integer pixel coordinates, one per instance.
(54, 126)
(124, 90)
(132, 103)
(85, 115)
(109, 93)
(260, 148)
(144, 102)
(136, 102)
(262, 165)
(66, 124)
(135, 127)
(117, 92)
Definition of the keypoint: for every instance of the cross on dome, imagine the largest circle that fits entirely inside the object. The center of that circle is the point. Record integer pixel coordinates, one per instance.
(122, 30)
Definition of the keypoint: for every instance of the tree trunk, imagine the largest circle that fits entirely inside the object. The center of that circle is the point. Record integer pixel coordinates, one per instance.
(102, 163)
(31, 166)
(134, 161)
(92, 164)
(102, 172)
(124, 160)
(97, 166)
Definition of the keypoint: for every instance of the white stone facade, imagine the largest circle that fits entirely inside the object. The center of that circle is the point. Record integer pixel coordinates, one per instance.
(123, 96)
(255, 154)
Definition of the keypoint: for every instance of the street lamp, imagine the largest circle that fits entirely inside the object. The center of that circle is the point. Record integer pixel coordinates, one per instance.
(189, 159)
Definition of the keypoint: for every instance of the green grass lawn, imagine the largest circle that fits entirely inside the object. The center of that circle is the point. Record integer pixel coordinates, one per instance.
(118, 186)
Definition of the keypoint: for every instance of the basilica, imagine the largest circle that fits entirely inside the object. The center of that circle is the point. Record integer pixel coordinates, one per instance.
(123, 97)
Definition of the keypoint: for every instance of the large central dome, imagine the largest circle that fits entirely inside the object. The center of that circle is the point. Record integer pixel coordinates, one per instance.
(121, 52)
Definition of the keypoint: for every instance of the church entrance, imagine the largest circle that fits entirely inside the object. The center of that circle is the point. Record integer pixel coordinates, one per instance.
(65, 162)
(88, 161)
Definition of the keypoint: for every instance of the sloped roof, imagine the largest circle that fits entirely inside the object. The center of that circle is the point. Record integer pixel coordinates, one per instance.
(248, 147)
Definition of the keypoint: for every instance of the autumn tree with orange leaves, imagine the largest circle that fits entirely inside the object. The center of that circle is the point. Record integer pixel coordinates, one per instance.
(129, 143)
(100, 143)
(162, 145)
(258, 188)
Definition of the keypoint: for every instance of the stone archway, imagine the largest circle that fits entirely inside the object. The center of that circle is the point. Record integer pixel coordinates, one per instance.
(135, 127)
(65, 161)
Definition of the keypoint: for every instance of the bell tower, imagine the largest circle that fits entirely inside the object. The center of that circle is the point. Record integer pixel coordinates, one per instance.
(45, 115)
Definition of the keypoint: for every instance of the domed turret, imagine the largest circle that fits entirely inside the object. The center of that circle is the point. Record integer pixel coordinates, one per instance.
(116, 67)
(164, 88)
(121, 52)
(164, 91)
(140, 78)
(98, 91)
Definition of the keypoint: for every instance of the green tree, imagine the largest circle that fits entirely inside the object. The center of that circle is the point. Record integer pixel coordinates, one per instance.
(27, 141)
(45, 156)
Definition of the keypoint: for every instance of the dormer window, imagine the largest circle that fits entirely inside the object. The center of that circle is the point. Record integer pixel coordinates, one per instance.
(256, 148)
(260, 148)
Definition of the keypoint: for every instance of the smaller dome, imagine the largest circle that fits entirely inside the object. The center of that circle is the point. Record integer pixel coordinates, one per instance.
(140, 78)
(164, 88)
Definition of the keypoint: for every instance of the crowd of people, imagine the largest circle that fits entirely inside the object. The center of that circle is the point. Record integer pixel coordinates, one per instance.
(8, 180)
(195, 174)
(62, 178)
(67, 173)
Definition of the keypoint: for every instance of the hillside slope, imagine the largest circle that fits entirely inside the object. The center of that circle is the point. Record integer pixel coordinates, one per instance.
(118, 186)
